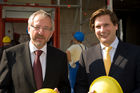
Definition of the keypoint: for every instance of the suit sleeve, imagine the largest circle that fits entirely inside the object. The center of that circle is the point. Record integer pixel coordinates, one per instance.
(81, 85)
(137, 89)
(5, 75)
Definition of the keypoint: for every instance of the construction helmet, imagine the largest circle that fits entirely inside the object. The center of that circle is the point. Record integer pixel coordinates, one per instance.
(45, 90)
(79, 36)
(105, 84)
(6, 39)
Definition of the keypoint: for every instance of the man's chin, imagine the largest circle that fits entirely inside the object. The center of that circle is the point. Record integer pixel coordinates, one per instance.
(38, 44)
(103, 40)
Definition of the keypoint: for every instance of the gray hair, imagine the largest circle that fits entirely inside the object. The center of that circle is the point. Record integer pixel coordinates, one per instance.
(40, 12)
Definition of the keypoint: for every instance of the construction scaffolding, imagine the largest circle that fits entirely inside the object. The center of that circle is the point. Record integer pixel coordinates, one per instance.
(58, 4)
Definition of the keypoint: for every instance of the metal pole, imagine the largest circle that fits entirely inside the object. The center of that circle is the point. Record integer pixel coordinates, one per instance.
(41, 4)
(110, 5)
(58, 2)
(81, 15)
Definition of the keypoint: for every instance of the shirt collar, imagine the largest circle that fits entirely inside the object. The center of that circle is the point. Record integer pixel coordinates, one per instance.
(113, 45)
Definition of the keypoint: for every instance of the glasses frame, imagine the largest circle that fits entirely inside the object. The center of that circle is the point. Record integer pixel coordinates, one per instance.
(45, 29)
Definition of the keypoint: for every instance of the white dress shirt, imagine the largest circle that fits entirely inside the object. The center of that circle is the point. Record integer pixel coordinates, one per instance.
(42, 57)
(113, 50)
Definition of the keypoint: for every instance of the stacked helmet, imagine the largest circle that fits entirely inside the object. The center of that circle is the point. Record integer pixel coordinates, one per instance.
(6, 39)
(79, 36)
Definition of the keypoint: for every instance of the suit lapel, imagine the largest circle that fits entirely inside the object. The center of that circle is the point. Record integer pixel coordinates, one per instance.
(27, 63)
(51, 79)
(99, 53)
(48, 68)
(95, 60)
(118, 61)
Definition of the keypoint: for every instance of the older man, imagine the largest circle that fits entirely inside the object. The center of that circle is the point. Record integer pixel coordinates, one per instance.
(33, 65)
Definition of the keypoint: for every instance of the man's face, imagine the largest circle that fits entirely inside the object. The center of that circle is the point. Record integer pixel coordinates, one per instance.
(40, 31)
(105, 30)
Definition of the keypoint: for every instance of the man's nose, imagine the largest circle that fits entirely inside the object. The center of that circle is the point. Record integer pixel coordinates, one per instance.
(41, 31)
(102, 29)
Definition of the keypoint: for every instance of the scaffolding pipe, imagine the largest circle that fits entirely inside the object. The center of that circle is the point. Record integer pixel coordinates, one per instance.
(75, 19)
(58, 2)
(81, 15)
(40, 4)
(110, 5)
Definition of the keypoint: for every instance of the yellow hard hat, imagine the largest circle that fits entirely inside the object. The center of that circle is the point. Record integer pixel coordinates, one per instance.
(105, 84)
(6, 39)
(45, 90)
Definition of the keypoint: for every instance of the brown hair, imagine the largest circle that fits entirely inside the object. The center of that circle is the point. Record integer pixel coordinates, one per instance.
(101, 12)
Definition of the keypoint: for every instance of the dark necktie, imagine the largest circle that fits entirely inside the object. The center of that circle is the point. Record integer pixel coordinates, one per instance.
(38, 69)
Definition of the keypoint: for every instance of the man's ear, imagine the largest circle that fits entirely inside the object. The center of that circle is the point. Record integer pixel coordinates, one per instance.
(116, 26)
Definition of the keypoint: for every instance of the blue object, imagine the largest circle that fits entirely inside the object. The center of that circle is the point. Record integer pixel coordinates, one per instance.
(72, 75)
(79, 36)
(27, 31)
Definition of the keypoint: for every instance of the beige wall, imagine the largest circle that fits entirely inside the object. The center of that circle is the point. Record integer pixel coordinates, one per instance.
(68, 25)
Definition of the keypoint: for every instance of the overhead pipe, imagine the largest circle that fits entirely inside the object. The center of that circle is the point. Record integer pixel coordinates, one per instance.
(81, 15)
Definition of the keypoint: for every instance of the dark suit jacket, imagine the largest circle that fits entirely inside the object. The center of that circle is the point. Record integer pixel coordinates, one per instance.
(16, 72)
(2, 48)
(125, 68)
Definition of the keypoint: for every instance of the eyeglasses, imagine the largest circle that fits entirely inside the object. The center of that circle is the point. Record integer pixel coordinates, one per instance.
(45, 29)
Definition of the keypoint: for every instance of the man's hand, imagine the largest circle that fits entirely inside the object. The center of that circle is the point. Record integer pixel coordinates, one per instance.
(56, 90)
(92, 92)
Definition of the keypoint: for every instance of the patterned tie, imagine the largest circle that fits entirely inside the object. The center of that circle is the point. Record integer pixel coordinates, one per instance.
(107, 60)
(38, 69)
